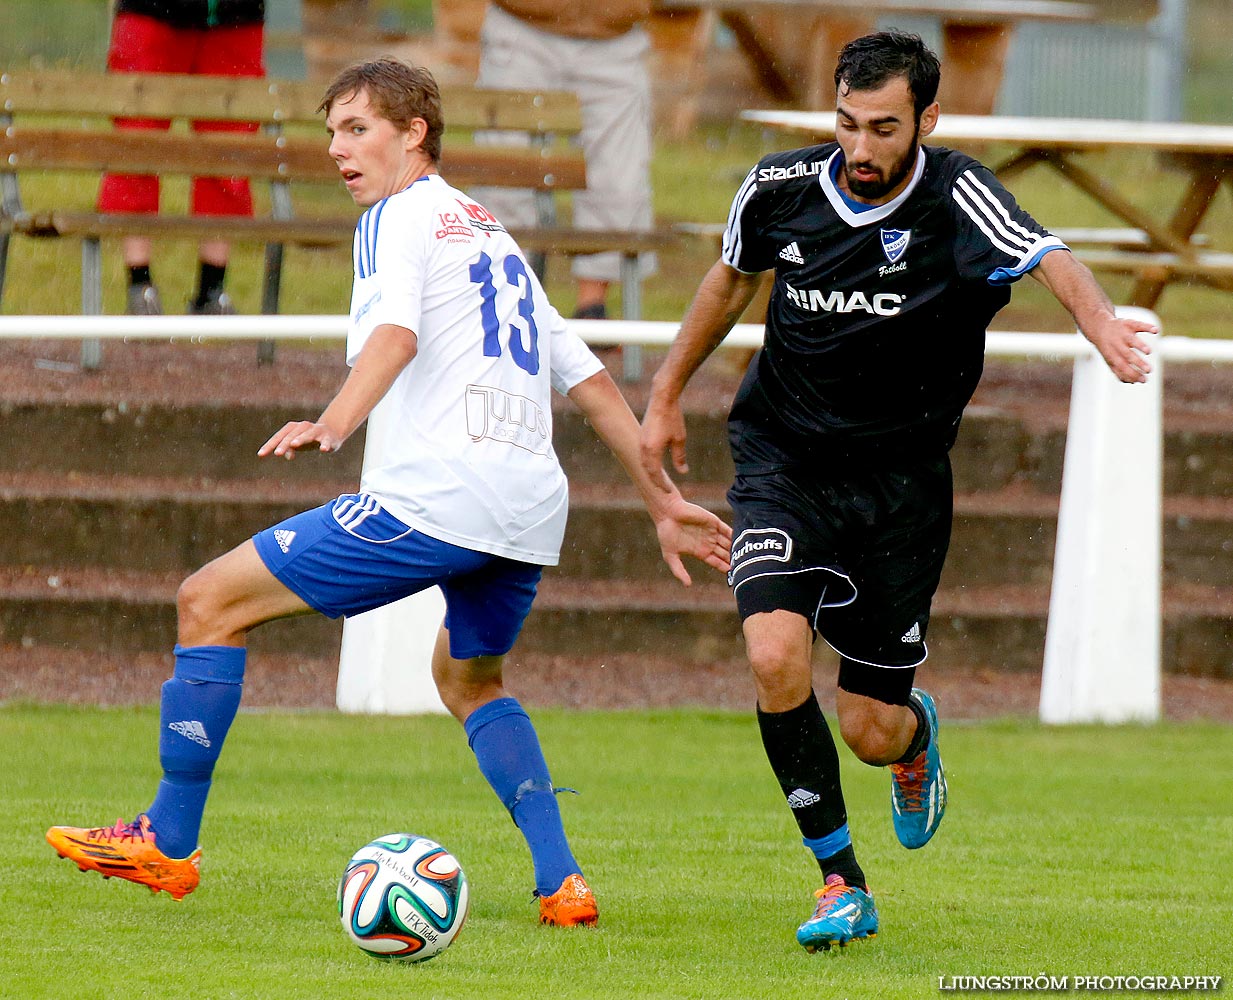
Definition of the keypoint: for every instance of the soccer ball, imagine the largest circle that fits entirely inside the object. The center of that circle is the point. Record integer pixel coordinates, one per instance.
(403, 897)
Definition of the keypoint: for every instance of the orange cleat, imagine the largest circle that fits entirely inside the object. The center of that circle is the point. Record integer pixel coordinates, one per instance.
(128, 851)
(572, 904)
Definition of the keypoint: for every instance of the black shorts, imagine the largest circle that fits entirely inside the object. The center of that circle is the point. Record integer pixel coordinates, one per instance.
(858, 553)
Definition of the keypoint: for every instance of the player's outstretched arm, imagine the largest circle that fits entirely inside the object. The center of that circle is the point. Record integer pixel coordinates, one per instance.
(1116, 338)
(388, 350)
(683, 528)
(719, 302)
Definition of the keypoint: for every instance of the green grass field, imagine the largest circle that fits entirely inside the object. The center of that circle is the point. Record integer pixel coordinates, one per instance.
(1085, 851)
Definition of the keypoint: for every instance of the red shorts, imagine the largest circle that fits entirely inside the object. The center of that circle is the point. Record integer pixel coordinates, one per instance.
(141, 44)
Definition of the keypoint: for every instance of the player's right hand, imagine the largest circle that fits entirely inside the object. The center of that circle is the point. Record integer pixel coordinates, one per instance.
(663, 428)
(297, 434)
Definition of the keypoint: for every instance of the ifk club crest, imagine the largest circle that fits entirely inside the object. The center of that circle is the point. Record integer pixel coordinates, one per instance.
(895, 242)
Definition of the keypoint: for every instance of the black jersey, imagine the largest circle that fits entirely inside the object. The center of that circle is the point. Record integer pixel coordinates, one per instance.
(875, 330)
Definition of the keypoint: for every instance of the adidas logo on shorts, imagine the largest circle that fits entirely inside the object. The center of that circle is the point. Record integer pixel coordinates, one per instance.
(912, 634)
(802, 798)
(284, 539)
(792, 254)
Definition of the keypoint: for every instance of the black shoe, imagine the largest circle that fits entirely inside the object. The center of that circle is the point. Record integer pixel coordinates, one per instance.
(216, 303)
(143, 300)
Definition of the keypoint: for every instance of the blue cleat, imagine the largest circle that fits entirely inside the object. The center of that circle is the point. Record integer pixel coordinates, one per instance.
(918, 789)
(844, 913)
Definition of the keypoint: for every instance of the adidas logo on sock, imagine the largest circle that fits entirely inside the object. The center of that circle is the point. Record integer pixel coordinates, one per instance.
(802, 798)
(912, 634)
(792, 253)
(192, 730)
(284, 539)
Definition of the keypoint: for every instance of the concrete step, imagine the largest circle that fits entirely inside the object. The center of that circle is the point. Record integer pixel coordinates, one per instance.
(215, 443)
(993, 627)
(166, 524)
(114, 486)
(996, 627)
(159, 524)
(1000, 444)
(109, 609)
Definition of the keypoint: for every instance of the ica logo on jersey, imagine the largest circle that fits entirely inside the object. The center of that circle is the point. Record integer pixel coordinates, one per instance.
(452, 225)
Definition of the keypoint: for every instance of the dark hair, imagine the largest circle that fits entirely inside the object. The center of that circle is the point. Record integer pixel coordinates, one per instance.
(398, 92)
(868, 62)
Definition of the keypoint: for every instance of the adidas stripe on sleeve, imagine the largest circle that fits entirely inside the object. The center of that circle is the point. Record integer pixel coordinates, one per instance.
(999, 241)
(739, 239)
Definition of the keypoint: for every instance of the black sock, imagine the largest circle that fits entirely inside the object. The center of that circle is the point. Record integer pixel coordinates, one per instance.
(139, 275)
(920, 738)
(802, 754)
(211, 280)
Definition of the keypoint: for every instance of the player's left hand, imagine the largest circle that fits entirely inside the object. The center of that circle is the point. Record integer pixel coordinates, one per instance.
(297, 434)
(687, 529)
(1118, 341)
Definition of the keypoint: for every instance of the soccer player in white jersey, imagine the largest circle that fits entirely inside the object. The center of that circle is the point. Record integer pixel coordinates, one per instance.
(890, 259)
(452, 333)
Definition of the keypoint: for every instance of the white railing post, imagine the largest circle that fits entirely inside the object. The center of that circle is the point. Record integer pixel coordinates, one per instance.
(1102, 644)
(385, 664)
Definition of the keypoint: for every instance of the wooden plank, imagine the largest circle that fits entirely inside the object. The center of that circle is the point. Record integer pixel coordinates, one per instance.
(1081, 134)
(267, 157)
(971, 11)
(150, 95)
(1183, 223)
(308, 232)
(542, 111)
(144, 152)
(266, 100)
(1103, 193)
(1113, 237)
(1211, 264)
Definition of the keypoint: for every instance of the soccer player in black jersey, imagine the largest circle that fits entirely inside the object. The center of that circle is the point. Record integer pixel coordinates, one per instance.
(890, 259)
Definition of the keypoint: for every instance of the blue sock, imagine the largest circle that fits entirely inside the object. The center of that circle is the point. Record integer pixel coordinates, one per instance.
(510, 757)
(198, 706)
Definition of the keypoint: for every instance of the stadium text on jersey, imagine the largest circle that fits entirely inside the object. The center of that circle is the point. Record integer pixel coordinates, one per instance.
(801, 168)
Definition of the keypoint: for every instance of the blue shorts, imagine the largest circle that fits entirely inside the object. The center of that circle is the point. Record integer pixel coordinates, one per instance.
(352, 555)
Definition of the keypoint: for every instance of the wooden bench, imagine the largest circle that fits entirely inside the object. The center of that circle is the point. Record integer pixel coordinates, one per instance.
(60, 121)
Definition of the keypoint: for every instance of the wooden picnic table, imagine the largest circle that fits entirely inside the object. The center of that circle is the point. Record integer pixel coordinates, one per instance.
(1162, 245)
(791, 45)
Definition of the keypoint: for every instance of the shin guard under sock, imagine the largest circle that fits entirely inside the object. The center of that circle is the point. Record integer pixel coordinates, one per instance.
(198, 706)
(509, 755)
(802, 754)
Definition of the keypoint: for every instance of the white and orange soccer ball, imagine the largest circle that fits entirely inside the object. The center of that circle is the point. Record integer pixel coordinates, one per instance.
(403, 897)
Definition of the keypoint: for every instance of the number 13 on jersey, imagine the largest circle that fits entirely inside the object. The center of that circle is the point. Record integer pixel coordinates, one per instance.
(514, 271)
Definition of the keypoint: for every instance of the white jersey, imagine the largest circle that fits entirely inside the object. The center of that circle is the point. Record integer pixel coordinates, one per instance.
(463, 450)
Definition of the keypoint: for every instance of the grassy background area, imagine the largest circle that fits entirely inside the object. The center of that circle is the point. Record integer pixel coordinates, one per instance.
(694, 180)
(1077, 851)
